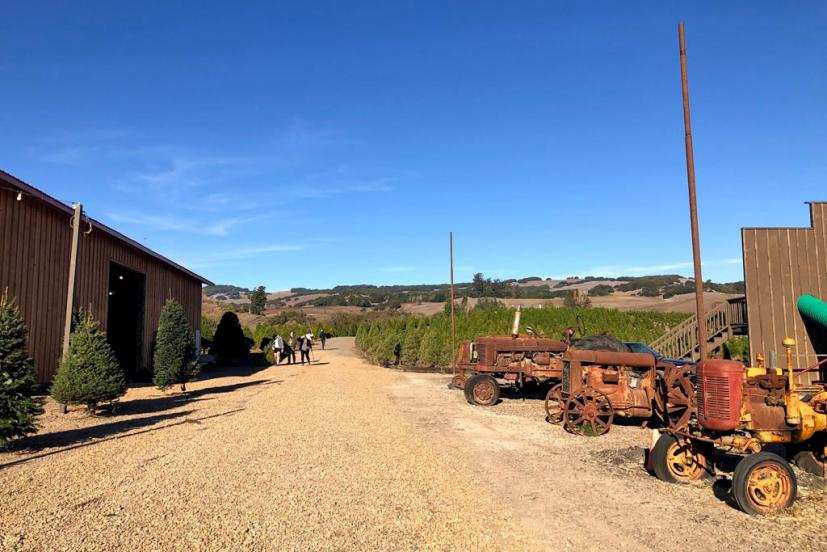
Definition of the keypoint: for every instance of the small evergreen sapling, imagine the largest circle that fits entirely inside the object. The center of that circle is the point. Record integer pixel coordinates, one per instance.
(18, 406)
(174, 359)
(89, 372)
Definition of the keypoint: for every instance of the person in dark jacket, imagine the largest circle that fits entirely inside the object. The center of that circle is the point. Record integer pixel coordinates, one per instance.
(305, 344)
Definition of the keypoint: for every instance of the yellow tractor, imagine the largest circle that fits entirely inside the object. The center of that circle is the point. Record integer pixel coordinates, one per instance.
(747, 411)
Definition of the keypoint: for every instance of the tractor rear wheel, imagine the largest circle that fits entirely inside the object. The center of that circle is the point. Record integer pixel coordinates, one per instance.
(482, 390)
(812, 462)
(679, 460)
(764, 483)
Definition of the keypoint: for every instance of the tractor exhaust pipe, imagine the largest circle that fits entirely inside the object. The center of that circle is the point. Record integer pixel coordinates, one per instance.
(515, 329)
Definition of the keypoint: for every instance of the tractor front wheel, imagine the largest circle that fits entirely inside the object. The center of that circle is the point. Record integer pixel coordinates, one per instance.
(555, 405)
(679, 460)
(457, 382)
(482, 390)
(763, 483)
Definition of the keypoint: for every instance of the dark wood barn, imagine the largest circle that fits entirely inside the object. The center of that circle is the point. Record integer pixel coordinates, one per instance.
(121, 282)
(780, 265)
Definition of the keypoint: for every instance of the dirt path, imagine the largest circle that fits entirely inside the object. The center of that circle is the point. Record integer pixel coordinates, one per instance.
(346, 456)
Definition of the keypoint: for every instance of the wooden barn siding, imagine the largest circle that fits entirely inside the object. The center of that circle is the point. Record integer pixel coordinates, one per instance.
(34, 264)
(780, 265)
(34, 260)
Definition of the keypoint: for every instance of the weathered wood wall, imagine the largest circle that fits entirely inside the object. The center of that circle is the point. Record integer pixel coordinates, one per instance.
(35, 239)
(780, 265)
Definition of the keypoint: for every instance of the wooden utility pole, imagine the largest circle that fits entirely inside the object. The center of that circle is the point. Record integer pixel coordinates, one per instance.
(73, 262)
(693, 207)
(453, 322)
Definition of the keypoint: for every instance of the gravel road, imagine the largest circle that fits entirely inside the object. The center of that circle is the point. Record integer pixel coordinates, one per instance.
(346, 456)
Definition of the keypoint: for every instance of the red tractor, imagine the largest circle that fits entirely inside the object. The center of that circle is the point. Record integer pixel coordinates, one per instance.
(488, 363)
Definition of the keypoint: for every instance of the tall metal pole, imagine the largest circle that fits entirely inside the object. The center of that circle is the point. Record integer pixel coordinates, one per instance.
(693, 207)
(73, 262)
(453, 322)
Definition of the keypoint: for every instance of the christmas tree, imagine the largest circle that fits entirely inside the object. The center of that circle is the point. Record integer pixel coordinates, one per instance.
(18, 406)
(174, 360)
(89, 372)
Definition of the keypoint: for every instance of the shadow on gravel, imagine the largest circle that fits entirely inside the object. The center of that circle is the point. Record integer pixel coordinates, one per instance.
(168, 402)
(87, 436)
(217, 390)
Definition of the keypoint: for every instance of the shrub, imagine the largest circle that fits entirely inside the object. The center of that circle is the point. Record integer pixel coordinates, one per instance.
(89, 372)
(575, 299)
(601, 290)
(18, 406)
(650, 290)
(174, 359)
(487, 303)
(229, 342)
(208, 326)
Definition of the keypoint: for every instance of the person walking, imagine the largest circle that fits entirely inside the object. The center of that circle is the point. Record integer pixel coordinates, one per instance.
(278, 348)
(304, 348)
(309, 337)
(290, 350)
(323, 338)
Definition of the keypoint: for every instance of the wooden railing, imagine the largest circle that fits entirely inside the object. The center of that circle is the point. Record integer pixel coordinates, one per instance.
(722, 321)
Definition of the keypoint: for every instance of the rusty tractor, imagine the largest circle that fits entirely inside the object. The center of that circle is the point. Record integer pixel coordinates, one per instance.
(598, 386)
(746, 411)
(488, 363)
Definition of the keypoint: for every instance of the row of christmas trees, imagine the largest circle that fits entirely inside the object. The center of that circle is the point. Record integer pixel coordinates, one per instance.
(89, 373)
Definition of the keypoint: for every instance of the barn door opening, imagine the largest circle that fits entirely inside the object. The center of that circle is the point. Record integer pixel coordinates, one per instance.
(125, 318)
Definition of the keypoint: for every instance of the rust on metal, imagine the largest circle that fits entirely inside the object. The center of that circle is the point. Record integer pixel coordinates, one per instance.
(693, 206)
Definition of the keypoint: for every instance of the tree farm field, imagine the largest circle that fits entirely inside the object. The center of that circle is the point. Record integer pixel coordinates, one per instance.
(346, 455)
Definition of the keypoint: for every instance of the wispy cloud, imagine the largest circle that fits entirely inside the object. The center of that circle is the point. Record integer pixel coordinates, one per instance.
(219, 227)
(377, 185)
(614, 271)
(225, 257)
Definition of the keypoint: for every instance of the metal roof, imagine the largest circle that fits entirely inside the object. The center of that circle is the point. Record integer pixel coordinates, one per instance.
(59, 205)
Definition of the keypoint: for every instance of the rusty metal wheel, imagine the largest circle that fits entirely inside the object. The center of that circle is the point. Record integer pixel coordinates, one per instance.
(457, 382)
(482, 390)
(588, 412)
(676, 396)
(555, 405)
(812, 462)
(680, 460)
(764, 483)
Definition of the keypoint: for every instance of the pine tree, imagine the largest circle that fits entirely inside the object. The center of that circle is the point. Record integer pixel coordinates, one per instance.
(229, 342)
(18, 406)
(174, 359)
(258, 300)
(89, 372)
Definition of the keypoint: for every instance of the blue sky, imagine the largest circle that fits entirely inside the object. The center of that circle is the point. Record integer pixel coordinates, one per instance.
(322, 143)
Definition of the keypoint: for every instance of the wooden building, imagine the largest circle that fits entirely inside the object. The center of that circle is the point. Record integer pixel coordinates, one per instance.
(121, 282)
(780, 265)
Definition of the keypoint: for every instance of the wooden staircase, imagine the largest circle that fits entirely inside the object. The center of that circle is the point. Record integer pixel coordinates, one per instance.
(723, 321)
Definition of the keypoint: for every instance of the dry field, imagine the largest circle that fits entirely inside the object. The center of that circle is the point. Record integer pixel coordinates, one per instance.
(342, 455)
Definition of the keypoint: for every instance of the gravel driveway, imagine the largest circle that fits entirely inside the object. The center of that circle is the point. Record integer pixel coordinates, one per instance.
(345, 456)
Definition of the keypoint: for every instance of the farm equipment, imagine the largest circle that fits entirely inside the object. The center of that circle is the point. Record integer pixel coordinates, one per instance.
(490, 362)
(596, 386)
(747, 411)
